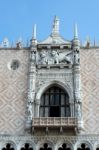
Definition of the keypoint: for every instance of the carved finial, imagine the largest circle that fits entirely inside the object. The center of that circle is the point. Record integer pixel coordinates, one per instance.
(75, 31)
(76, 41)
(34, 32)
(55, 30)
(87, 42)
(19, 43)
(94, 42)
(5, 43)
(33, 41)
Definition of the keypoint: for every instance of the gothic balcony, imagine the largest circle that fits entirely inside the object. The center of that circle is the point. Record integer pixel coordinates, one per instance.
(53, 122)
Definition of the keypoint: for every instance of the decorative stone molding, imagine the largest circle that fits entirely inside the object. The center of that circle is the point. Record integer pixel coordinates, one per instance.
(41, 144)
(12, 144)
(68, 144)
(53, 141)
(48, 84)
(22, 143)
(87, 143)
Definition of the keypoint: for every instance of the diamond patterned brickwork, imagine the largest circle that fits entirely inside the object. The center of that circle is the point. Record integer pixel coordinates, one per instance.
(13, 91)
(90, 89)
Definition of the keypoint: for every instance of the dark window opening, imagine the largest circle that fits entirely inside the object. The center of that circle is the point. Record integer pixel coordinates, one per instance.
(8, 147)
(27, 147)
(54, 111)
(55, 103)
(84, 147)
(45, 147)
(64, 147)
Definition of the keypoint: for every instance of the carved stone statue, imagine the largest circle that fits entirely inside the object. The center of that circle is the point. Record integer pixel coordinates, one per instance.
(76, 57)
(19, 45)
(61, 57)
(30, 113)
(78, 110)
(77, 96)
(33, 56)
(55, 57)
(43, 58)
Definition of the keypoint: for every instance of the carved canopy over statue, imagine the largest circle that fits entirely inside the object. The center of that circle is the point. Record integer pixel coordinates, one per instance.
(55, 57)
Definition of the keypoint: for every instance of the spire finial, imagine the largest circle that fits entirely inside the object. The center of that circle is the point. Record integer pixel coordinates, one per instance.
(87, 44)
(55, 30)
(75, 31)
(34, 32)
(33, 41)
(94, 42)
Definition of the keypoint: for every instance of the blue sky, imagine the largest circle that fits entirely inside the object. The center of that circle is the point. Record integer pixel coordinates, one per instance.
(18, 16)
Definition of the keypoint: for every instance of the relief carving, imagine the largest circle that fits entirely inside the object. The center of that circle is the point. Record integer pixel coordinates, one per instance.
(29, 109)
(55, 57)
(33, 57)
(78, 111)
(43, 58)
(61, 57)
(76, 57)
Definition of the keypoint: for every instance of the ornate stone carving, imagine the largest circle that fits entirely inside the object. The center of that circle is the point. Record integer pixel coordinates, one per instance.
(33, 56)
(27, 146)
(54, 57)
(78, 111)
(83, 147)
(74, 142)
(61, 57)
(29, 109)
(76, 57)
(43, 58)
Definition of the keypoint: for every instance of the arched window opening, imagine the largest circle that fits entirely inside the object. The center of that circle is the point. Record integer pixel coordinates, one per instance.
(45, 147)
(8, 147)
(55, 103)
(64, 147)
(27, 147)
(83, 147)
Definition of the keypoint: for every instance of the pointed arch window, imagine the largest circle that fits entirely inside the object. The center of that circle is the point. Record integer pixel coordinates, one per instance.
(55, 103)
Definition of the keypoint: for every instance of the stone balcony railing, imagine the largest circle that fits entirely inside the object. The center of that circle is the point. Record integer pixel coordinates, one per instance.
(54, 122)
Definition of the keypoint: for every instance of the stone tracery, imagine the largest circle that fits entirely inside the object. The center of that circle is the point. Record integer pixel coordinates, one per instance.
(27, 147)
(45, 147)
(64, 147)
(8, 147)
(83, 147)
